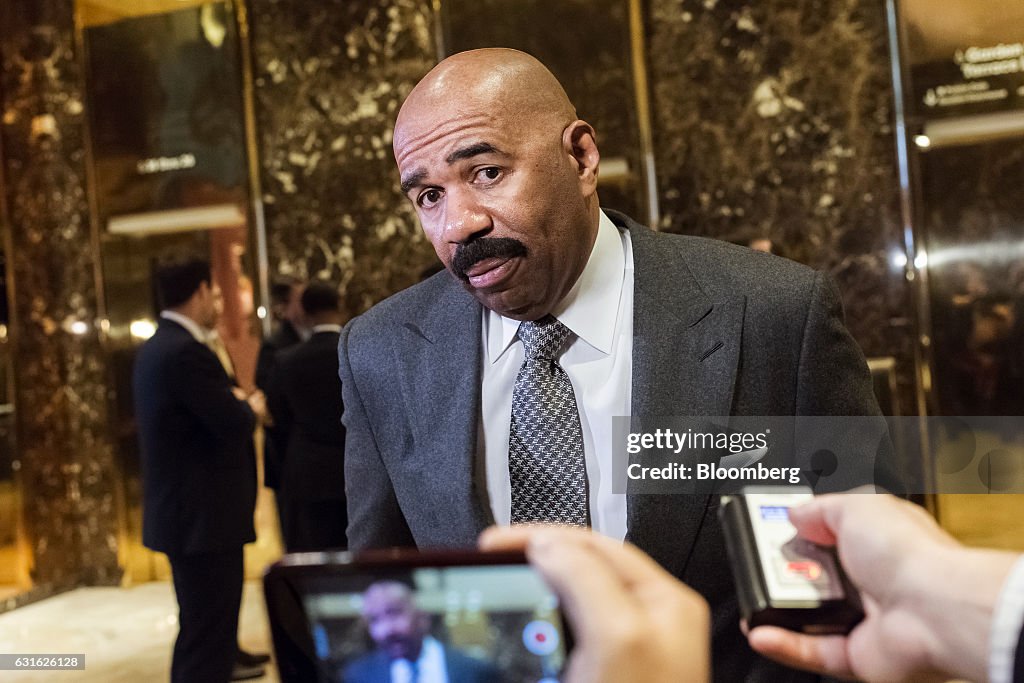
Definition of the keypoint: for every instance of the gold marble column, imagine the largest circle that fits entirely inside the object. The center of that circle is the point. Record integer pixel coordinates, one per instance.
(66, 463)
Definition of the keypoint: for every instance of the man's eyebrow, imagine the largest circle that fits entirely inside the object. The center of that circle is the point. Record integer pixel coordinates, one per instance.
(412, 180)
(472, 151)
(476, 149)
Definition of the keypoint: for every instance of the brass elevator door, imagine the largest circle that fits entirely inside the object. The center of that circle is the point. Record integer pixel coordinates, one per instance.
(170, 175)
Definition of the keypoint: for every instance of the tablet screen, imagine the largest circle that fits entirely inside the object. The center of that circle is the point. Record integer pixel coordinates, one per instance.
(455, 624)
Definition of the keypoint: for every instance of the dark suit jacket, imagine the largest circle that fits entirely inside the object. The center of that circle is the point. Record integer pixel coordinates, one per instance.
(717, 330)
(198, 463)
(1018, 664)
(375, 667)
(305, 399)
(283, 337)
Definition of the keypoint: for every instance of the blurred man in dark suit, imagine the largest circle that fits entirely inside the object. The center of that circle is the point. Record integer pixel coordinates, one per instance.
(199, 472)
(406, 652)
(290, 325)
(290, 329)
(305, 400)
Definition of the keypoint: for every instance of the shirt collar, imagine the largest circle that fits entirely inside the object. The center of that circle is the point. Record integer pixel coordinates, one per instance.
(327, 327)
(197, 332)
(590, 309)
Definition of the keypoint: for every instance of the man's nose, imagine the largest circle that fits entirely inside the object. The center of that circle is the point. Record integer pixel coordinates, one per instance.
(465, 218)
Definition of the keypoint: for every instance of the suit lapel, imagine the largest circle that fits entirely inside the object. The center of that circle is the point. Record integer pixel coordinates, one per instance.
(439, 353)
(686, 345)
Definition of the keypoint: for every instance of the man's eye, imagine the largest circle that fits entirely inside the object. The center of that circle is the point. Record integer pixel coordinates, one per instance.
(429, 198)
(489, 173)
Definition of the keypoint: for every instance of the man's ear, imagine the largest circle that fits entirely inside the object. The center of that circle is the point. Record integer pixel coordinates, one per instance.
(580, 142)
(203, 292)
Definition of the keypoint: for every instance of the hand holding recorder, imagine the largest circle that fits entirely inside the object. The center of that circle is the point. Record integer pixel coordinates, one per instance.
(632, 620)
(928, 600)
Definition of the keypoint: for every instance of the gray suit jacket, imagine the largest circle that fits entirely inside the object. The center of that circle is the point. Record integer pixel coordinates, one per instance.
(718, 330)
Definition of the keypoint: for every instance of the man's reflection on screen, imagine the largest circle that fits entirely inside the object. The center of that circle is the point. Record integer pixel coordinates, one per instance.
(405, 651)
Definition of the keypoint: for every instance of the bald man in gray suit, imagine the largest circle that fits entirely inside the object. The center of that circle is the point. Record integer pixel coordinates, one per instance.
(503, 176)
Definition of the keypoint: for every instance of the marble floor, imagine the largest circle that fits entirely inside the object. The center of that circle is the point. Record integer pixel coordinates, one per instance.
(126, 634)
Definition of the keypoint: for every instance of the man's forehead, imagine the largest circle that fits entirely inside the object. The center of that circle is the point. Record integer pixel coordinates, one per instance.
(437, 135)
(380, 596)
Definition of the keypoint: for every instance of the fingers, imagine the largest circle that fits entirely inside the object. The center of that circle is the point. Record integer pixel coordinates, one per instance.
(591, 592)
(813, 520)
(517, 537)
(631, 565)
(626, 575)
(822, 654)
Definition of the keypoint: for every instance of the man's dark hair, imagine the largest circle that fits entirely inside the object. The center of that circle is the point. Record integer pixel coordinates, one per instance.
(320, 297)
(281, 289)
(177, 281)
(987, 303)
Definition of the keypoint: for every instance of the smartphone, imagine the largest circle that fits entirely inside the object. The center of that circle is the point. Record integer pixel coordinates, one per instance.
(464, 617)
(782, 579)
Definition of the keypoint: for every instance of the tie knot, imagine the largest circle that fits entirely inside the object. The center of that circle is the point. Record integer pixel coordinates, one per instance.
(542, 338)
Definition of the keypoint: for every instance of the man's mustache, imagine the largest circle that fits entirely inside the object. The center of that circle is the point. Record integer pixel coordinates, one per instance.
(468, 255)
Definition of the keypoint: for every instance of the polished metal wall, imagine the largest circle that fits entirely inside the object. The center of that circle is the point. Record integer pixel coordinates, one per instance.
(959, 78)
(328, 79)
(194, 103)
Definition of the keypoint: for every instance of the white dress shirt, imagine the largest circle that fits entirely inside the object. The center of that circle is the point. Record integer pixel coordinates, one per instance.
(1007, 623)
(599, 363)
(430, 667)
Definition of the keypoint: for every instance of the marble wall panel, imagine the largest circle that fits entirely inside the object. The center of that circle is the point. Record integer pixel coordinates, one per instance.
(329, 79)
(770, 120)
(773, 119)
(587, 46)
(67, 469)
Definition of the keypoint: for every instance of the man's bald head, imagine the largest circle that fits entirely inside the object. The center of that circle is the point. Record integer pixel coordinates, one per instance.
(512, 84)
(503, 177)
(396, 625)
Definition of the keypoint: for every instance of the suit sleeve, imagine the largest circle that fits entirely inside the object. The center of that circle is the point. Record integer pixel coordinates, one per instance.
(199, 381)
(375, 519)
(281, 413)
(833, 380)
(264, 365)
(833, 376)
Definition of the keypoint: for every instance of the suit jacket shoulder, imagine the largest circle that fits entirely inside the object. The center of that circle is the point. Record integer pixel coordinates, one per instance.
(428, 311)
(282, 338)
(717, 269)
(418, 304)
(374, 667)
(466, 669)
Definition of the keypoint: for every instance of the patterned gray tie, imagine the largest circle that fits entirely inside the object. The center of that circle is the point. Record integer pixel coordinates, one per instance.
(545, 452)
